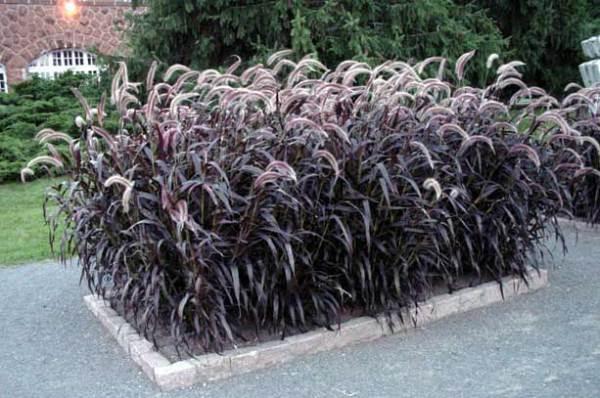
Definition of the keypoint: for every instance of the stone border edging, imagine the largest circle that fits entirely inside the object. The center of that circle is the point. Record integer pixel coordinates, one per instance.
(209, 367)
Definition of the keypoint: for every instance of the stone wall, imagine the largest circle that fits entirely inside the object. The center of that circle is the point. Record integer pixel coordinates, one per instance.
(29, 28)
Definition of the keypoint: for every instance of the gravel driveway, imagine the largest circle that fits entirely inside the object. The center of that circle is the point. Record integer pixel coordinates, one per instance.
(546, 344)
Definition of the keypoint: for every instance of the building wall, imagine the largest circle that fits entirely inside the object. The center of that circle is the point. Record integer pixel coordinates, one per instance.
(29, 28)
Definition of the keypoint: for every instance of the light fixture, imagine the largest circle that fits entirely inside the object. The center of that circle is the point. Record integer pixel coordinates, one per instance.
(70, 8)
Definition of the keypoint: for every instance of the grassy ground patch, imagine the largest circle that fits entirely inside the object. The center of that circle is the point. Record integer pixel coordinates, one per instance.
(24, 235)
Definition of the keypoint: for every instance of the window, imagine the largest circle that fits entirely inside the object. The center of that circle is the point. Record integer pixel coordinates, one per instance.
(68, 57)
(57, 62)
(57, 59)
(78, 58)
(3, 80)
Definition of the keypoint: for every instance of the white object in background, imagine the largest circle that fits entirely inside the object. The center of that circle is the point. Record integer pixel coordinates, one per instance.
(3, 80)
(587, 48)
(590, 72)
(590, 44)
(595, 46)
(595, 71)
(591, 47)
(584, 76)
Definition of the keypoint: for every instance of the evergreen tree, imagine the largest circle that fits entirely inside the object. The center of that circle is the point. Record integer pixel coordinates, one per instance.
(546, 34)
(206, 33)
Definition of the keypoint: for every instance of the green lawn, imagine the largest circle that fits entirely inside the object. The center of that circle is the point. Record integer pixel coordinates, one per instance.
(23, 235)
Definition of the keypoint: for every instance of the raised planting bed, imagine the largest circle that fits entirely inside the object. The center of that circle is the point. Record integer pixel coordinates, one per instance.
(209, 367)
(225, 210)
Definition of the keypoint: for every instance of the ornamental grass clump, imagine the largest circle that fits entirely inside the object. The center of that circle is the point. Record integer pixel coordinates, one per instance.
(288, 196)
(578, 153)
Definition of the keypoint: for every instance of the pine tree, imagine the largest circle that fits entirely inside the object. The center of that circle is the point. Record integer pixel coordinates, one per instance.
(546, 34)
(206, 33)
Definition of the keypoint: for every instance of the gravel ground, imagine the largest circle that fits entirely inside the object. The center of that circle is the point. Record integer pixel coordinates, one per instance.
(546, 344)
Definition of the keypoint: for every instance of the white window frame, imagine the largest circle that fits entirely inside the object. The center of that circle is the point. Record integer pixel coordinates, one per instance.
(3, 80)
(54, 63)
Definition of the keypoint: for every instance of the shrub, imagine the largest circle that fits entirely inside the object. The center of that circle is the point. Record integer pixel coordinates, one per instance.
(552, 55)
(372, 31)
(205, 34)
(36, 104)
(289, 196)
(579, 167)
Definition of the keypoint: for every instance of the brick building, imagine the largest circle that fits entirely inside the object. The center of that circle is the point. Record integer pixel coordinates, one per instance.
(47, 37)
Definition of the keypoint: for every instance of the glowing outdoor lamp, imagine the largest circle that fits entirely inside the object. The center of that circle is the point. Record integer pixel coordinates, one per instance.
(70, 8)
